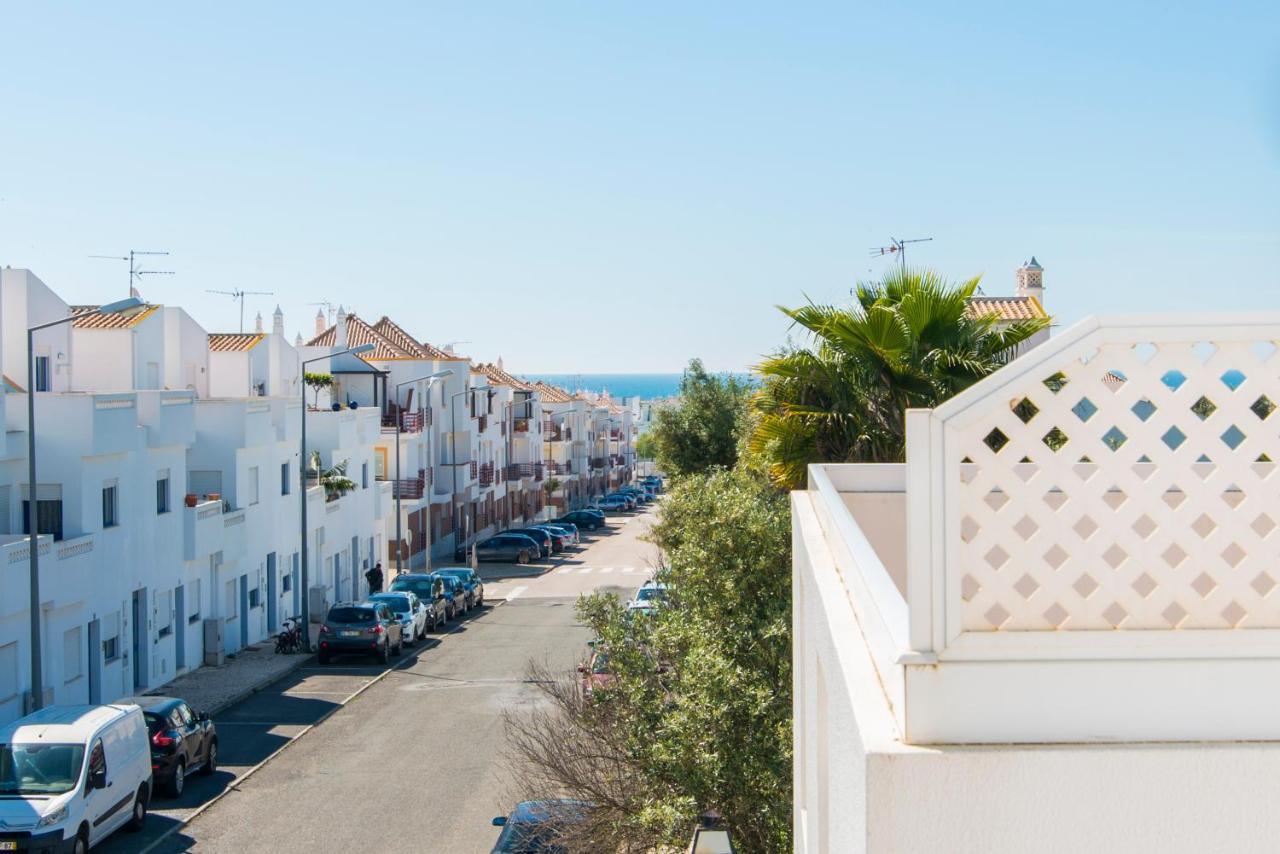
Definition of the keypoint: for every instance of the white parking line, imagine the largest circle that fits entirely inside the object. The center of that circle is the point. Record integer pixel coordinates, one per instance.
(585, 570)
(564, 570)
(627, 570)
(606, 569)
(516, 592)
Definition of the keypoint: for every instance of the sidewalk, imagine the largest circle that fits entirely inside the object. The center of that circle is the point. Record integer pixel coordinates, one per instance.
(212, 689)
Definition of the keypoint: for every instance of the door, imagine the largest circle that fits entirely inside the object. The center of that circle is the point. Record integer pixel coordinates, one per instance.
(106, 807)
(140, 638)
(192, 734)
(179, 627)
(94, 660)
(356, 574)
(244, 611)
(273, 598)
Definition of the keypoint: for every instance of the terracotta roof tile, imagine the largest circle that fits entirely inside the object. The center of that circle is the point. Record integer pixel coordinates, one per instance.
(551, 393)
(109, 321)
(497, 376)
(234, 342)
(1006, 308)
(360, 333)
(395, 333)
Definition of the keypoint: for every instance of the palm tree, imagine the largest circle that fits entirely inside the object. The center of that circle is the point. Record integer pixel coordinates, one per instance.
(334, 479)
(908, 341)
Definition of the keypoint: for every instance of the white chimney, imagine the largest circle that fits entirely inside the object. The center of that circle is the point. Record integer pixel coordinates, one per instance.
(297, 342)
(500, 363)
(340, 330)
(277, 322)
(321, 325)
(257, 323)
(1031, 280)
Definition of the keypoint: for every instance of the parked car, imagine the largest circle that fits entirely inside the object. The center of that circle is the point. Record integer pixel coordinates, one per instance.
(56, 800)
(409, 610)
(648, 598)
(626, 498)
(595, 672)
(182, 741)
(589, 519)
(560, 539)
(508, 547)
(568, 526)
(637, 493)
(534, 827)
(471, 582)
(455, 595)
(545, 544)
(430, 593)
(612, 505)
(361, 628)
(653, 482)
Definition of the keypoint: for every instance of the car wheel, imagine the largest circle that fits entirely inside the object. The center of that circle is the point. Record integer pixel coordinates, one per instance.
(210, 759)
(81, 844)
(178, 782)
(522, 558)
(139, 817)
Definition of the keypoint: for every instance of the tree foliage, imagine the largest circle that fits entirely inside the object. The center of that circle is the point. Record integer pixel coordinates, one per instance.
(907, 341)
(700, 432)
(317, 382)
(699, 717)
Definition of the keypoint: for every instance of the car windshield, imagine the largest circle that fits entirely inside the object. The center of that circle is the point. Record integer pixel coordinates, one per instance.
(351, 615)
(648, 594)
(600, 664)
(399, 604)
(421, 586)
(39, 769)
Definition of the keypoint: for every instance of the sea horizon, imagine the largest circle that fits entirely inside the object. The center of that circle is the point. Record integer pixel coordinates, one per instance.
(647, 386)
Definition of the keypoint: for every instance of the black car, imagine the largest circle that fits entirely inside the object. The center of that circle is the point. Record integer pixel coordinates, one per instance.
(430, 591)
(182, 741)
(589, 519)
(538, 827)
(455, 595)
(364, 628)
(542, 538)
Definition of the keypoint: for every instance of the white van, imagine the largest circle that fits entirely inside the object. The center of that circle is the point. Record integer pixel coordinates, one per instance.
(71, 775)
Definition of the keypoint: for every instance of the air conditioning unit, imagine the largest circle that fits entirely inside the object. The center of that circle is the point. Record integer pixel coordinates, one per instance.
(214, 628)
(318, 603)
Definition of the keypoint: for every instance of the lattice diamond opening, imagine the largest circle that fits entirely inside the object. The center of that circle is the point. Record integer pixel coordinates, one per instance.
(1056, 556)
(1143, 585)
(1173, 380)
(1084, 409)
(1144, 409)
(1234, 613)
(1144, 526)
(996, 440)
(1263, 583)
(1114, 438)
(1085, 527)
(1025, 410)
(1056, 382)
(1115, 614)
(1232, 378)
(1173, 438)
(1204, 525)
(1263, 407)
(1026, 586)
(1232, 437)
(1085, 586)
(1204, 407)
(1263, 525)
(1055, 439)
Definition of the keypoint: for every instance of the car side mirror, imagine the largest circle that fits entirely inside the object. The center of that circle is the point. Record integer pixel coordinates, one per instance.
(500, 821)
(98, 779)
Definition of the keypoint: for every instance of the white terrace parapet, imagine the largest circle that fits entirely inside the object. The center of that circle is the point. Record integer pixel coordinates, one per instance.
(1083, 546)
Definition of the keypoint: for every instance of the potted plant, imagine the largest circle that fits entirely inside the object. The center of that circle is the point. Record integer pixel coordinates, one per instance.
(334, 479)
(317, 382)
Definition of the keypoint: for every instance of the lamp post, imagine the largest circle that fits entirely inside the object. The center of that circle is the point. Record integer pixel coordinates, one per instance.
(302, 475)
(130, 305)
(429, 380)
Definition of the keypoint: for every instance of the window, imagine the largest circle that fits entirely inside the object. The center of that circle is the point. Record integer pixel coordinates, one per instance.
(255, 597)
(42, 373)
(71, 655)
(364, 475)
(231, 605)
(97, 760)
(110, 507)
(164, 613)
(284, 479)
(184, 714)
(380, 463)
(162, 495)
(193, 593)
(8, 671)
(48, 517)
(286, 582)
(110, 649)
(253, 485)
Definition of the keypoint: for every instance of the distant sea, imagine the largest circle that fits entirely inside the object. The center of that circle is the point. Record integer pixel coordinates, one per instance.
(646, 386)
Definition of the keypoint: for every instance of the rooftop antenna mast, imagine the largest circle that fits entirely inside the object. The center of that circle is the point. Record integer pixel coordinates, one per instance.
(240, 295)
(898, 247)
(328, 309)
(135, 272)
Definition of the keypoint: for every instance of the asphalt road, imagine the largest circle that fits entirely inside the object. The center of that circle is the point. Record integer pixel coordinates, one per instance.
(410, 756)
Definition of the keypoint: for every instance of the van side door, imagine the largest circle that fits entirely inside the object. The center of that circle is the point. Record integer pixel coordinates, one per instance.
(102, 804)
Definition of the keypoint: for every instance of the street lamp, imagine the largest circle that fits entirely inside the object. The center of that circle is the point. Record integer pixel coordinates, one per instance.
(711, 836)
(429, 380)
(124, 306)
(302, 474)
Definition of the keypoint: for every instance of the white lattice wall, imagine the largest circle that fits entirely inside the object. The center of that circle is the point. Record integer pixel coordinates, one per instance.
(1125, 482)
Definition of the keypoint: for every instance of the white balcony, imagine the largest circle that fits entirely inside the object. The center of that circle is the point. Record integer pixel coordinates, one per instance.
(1080, 549)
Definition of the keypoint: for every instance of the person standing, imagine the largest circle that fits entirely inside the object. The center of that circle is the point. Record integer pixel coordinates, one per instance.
(374, 577)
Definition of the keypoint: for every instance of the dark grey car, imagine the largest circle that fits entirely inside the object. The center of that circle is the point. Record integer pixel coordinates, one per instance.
(430, 590)
(364, 628)
(508, 548)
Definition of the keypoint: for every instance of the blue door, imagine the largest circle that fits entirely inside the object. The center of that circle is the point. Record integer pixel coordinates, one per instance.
(244, 611)
(273, 596)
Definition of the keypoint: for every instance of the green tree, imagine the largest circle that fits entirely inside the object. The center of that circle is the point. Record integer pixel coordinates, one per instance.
(908, 341)
(701, 430)
(646, 446)
(317, 382)
(699, 717)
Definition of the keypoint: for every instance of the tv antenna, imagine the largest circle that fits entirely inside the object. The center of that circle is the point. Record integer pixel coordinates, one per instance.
(240, 295)
(328, 309)
(135, 272)
(898, 247)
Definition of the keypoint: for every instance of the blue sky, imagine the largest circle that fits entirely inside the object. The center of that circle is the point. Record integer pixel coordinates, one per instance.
(589, 187)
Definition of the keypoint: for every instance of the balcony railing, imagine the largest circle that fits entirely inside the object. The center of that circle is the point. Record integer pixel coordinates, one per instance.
(515, 471)
(486, 474)
(537, 471)
(411, 420)
(597, 462)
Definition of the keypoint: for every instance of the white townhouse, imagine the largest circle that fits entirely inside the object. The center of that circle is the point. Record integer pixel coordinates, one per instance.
(567, 449)
(168, 515)
(1054, 626)
(526, 474)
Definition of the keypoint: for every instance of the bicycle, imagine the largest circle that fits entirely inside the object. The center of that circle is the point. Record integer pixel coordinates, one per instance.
(289, 640)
